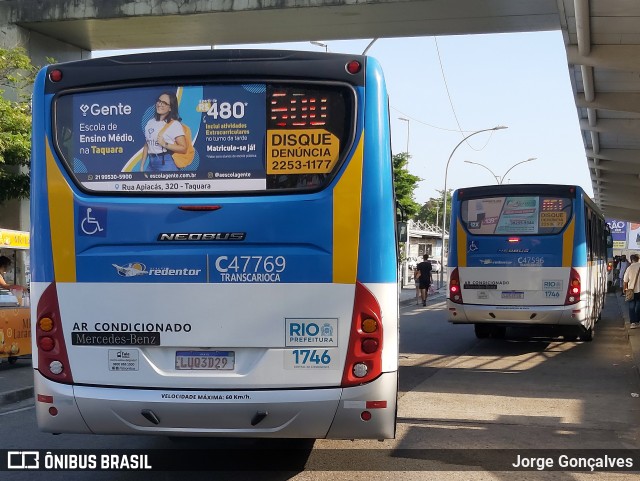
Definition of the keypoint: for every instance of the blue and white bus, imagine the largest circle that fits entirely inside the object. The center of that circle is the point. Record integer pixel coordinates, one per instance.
(214, 246)
(525, 255)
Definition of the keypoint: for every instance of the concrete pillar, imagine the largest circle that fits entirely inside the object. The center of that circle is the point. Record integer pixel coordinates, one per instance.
(38, 46)
(15, 214)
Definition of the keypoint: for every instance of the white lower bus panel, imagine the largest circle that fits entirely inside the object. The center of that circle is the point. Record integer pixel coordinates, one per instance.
(542, 315)
(333, 413)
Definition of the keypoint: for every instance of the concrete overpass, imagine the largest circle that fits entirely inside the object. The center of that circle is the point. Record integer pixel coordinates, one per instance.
(602, 39)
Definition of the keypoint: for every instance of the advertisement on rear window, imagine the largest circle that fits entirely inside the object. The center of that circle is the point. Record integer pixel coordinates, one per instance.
(519, 216)
(167, 139)
(515, 215)
(482, 214)
(198, 139)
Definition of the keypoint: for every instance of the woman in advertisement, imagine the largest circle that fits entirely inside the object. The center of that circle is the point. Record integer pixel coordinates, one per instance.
(164, 135)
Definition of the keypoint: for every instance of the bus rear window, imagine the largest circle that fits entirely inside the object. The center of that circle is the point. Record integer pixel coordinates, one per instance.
(520, 215)
(205, 139)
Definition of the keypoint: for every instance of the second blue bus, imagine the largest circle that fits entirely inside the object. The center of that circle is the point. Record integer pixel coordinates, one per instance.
(527, 255)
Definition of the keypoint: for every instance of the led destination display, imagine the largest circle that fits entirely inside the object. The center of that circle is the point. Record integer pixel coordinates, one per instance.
(202, 138)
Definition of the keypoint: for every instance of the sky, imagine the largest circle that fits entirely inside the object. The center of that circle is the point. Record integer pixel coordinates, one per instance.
(467, 83)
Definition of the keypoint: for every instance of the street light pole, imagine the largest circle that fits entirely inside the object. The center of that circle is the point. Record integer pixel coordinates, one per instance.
(515, 165)
(444, 194)
(482, 165)
(320, 44)
(405, 272)
(408, 123)
(369, 46)
(500, 180)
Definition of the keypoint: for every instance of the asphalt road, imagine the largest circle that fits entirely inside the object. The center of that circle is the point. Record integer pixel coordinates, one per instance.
(456, 392)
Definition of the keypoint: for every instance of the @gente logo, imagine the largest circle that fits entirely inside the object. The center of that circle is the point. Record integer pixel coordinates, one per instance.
(106, 110)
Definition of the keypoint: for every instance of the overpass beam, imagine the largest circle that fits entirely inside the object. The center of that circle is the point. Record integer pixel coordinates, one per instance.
(626, 127)
(615, 57)
(618, 155)
(623, 102)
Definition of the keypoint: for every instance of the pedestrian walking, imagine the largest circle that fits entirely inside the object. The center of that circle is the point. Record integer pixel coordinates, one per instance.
(416, 280)
(622, 266)
(630, 280)
(425, 277)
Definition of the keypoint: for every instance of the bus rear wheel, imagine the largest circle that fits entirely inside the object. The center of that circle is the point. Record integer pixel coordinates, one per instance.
(587, 335)
(482, 330)
(499, 332)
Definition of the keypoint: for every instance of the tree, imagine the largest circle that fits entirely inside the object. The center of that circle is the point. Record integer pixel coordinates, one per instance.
(431, 210)
(405, 184)
(17, 75)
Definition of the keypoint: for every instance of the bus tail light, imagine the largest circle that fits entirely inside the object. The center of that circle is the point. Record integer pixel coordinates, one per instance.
(364, 354)
(455, 293)
(574, 289)
(609, 266)
(353, 67)
(55, 75)
(53, 361)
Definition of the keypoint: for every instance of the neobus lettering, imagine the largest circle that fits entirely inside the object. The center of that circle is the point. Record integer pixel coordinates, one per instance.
(202, 236)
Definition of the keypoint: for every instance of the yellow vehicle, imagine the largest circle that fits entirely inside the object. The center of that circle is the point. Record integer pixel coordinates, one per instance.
(15, 311)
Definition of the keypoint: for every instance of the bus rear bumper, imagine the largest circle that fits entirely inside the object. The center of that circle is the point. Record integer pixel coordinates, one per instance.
(572, 315)
(334, 413)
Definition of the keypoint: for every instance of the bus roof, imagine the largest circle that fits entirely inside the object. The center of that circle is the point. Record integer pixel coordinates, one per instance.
(193, 64)
(518, 189)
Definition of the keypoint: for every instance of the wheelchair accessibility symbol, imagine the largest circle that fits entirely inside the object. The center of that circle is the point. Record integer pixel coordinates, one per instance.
(93, 221)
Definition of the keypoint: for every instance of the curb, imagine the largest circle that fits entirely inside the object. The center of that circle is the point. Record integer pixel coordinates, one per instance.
(16, 395)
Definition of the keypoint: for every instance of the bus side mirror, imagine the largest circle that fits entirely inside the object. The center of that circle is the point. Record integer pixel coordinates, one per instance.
(609, 241)
(402, 232)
